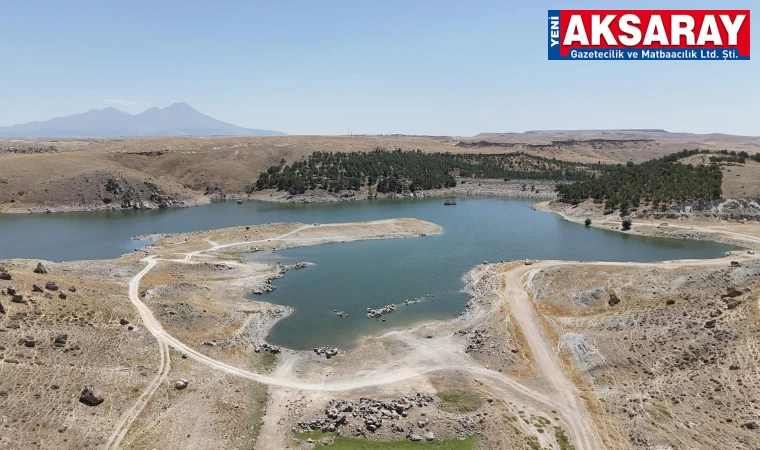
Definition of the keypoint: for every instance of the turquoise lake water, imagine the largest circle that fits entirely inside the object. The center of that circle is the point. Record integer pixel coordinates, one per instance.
(351, 277)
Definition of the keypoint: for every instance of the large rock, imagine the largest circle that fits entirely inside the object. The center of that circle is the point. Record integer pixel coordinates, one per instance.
(40, 269)
(614, 299)
(61, 339)
(736, 292)
(5, 276)
(10, 290)
(18, 298)
(180, 384)
(90, 396)
(36, 288)
(429, 436)
(51, 286)
(414, 437)
(2, 309)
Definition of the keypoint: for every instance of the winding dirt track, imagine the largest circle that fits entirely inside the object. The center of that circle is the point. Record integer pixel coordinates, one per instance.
(564, 398)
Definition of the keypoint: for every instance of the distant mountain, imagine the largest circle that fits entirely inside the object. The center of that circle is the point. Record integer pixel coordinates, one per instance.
(179, 119)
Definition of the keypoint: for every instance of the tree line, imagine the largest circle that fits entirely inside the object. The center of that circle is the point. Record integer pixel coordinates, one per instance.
(654, 182)
(409, 171)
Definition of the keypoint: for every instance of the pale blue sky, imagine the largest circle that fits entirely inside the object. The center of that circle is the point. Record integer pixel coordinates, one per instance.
(306, 67)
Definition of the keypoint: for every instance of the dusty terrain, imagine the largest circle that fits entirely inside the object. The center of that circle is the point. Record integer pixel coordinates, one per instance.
(671, 352)
(107, 346)
(188, 171)
(544, 356)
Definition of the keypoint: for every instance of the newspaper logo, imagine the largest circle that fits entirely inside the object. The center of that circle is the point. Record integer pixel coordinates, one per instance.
(649, 35)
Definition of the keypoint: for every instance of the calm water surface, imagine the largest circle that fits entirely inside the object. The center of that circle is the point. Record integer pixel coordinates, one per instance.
(351, 277)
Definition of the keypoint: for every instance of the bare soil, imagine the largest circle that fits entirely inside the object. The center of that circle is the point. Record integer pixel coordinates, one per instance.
(191, 171)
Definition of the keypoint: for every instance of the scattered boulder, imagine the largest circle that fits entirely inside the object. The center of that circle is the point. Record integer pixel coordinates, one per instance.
(2, 309)
(670, 301)
(329, 352)
(60, 339)
(10, 290)
(40, 269)
(414, 437)
(18, 298)
(367, 415)
(123, 322)
(180, 384)
(614, 299)
(733, 367)
(751, 425)
(29, 342)
(737, 292)
(62, 295)
(36, 288)
(710, 324)
(90, 397)
(377, 313)
(72, 288)
(732, 303)
(273, 349)
(51, 286)
(429, 436)
(5, 276)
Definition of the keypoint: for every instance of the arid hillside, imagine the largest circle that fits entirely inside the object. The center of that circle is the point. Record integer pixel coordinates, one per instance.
(177, 171)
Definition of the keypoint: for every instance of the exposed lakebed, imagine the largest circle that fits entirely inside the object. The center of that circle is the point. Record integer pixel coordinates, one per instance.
(352, 277)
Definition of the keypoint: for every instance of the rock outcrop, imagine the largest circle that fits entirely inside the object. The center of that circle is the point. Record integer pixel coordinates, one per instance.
(91, 397)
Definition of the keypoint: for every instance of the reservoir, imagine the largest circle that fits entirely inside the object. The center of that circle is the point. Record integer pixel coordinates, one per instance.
(352, 277)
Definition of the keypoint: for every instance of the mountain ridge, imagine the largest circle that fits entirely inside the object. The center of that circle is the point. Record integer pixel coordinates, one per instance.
(177, 119)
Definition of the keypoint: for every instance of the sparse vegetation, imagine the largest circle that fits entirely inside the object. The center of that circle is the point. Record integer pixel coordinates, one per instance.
(587, 222)
(349, 443)
(562, 439)
(459, 401)
(627, 223)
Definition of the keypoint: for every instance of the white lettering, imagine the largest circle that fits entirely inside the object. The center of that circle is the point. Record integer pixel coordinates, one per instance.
(633, 32)
(575, 31)
(601, 28)
(681, 25)
(732, 27)
(709, 32)
(655, 31)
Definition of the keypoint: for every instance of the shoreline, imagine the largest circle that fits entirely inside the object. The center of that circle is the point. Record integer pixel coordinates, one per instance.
(675, 228)
(469, 187)
(473, 187)
(145, 206)
(207, 263)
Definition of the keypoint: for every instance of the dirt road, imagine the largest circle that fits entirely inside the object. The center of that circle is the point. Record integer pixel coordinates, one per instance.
(563, 397)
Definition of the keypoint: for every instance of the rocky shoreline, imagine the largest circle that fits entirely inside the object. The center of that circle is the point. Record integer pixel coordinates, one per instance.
(140, 206)
(533, 189)
(466, 187)
(675, 227)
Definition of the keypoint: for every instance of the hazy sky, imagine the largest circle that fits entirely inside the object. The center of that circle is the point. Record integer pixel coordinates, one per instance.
(307, 67)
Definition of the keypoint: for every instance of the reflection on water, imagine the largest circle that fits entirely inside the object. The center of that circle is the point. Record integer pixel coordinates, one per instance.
(351, 277)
